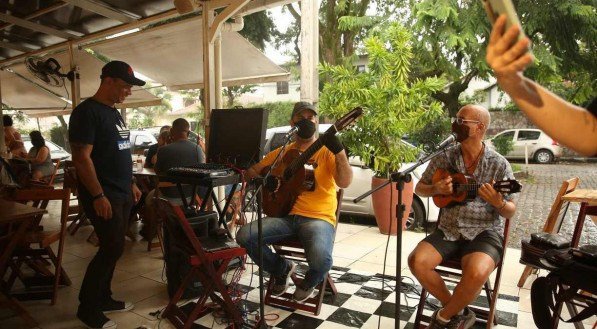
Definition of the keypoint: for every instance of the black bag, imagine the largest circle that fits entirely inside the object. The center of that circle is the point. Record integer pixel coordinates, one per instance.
(533, 249)
(571, 269)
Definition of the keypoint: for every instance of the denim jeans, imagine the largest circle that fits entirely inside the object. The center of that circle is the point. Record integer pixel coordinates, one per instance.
(317, 237)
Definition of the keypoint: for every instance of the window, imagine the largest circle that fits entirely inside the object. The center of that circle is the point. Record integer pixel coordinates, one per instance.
(361, 68)
(277, 141)
(505, 136)
(282, 87)
(528, 135)
(142, 140)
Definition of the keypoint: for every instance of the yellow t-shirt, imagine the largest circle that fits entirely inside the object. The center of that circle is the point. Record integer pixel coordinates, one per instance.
(321, 202)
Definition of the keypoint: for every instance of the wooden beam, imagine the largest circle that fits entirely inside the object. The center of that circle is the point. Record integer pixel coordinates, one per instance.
(223, 16)
(105, 10)
(38, 13)
(93, 36)
(151, 102)
(236, 82)
(36, 27)
(261, 5)
(15, 46)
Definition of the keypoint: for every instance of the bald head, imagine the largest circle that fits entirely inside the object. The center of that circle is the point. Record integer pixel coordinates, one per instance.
(476, 112)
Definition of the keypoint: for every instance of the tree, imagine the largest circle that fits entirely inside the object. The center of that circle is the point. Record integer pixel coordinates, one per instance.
(342, 25)
(394, 105)
(144, 116)
(453, 37)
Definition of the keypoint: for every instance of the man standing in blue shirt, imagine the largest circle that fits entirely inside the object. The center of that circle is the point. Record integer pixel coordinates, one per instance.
(101, 154)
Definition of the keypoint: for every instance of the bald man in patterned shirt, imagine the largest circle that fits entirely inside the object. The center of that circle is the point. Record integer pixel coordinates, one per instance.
(471, 230)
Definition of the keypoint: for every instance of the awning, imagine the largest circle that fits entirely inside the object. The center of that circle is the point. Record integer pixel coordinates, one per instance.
(19, 93)
(89, 71)
(172, 55)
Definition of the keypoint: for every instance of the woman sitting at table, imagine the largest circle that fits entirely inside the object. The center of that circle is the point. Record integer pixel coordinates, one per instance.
(39, 156)
(163, 139)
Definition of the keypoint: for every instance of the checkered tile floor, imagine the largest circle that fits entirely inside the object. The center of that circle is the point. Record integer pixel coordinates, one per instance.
(359, 303)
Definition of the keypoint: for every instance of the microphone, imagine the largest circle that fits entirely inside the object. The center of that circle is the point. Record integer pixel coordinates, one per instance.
(291, 132)
(447, 142)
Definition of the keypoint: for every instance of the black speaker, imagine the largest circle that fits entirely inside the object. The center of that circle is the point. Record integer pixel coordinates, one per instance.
(176, 253)
(237, 136)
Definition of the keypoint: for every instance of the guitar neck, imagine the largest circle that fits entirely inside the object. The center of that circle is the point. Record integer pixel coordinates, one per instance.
(303, 158)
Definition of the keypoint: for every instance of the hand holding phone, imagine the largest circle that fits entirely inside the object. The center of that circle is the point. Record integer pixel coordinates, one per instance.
(505, 55)
(495, 8)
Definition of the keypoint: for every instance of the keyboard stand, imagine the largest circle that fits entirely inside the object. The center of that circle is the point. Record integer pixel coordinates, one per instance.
(209, 184)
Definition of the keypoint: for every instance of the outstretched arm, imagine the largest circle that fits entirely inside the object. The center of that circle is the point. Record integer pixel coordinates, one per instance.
(569, 124)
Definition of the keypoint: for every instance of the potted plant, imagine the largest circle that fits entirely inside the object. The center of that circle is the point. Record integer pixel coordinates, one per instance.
(394, 105)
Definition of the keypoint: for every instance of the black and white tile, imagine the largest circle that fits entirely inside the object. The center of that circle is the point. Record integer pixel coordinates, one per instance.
(361, 303)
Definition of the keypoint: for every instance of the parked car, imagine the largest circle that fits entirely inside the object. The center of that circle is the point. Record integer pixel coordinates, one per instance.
(422, 209)
(141, 140)
(541, 148)
(155, 131)
(56, 152)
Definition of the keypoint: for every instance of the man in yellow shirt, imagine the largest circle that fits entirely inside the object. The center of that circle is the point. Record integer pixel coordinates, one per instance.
(312, 218)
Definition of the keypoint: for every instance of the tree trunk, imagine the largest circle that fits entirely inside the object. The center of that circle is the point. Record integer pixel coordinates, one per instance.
(64, 130)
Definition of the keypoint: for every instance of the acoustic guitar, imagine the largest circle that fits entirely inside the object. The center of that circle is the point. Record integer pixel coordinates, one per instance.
(293, 174)
(465, 188)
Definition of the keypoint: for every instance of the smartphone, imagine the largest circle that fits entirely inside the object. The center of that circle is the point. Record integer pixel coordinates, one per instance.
(495, 8)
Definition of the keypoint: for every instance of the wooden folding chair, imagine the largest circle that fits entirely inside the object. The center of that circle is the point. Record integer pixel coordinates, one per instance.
(28, 254)
(451, 271)
(208, 267)
(76, 214)
(293, 249)
(554, 220)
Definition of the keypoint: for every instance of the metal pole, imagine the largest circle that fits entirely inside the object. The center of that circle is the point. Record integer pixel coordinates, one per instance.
(218, 70)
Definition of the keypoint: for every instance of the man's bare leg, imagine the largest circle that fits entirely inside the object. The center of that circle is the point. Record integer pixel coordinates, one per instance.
(422, 263)
(476, 268)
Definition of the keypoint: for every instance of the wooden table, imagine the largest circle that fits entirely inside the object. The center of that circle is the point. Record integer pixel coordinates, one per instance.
(13, 213)
(588, 206)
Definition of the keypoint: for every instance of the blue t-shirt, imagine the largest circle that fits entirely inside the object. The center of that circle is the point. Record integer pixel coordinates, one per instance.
(100, 125)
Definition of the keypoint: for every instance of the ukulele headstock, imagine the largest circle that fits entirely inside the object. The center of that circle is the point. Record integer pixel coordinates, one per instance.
(508, 186)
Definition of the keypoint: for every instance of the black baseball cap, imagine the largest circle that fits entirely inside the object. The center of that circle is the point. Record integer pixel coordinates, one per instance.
(121, 70)
(299, 106)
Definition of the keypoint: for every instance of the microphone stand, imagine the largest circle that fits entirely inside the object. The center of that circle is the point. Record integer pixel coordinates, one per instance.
(400, 178)
(258, 195)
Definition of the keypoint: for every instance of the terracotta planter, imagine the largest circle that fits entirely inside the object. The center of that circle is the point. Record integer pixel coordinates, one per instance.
(381, 204)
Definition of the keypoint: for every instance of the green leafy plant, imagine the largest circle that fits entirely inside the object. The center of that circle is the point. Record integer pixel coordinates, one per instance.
(278, 112)
(393, 104)
(503, 145)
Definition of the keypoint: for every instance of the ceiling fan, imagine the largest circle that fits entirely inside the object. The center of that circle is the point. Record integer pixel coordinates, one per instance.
(48, 71)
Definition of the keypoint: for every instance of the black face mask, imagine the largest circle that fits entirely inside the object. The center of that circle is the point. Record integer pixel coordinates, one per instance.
(306, 128)
(461, 131)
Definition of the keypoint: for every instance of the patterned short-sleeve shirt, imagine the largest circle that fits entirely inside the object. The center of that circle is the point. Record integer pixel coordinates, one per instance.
(468, 219)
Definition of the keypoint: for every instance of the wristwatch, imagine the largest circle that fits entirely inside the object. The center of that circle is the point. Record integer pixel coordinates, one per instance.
(99, 196)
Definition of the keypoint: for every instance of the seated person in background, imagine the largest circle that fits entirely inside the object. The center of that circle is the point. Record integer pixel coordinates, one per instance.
(163, 139)
(17, 149)
(471, 230)
(39, 156)
(312, 218)
(180, 152)
(153, 149)
(12, 138)
(201, 142)
(567, 123)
